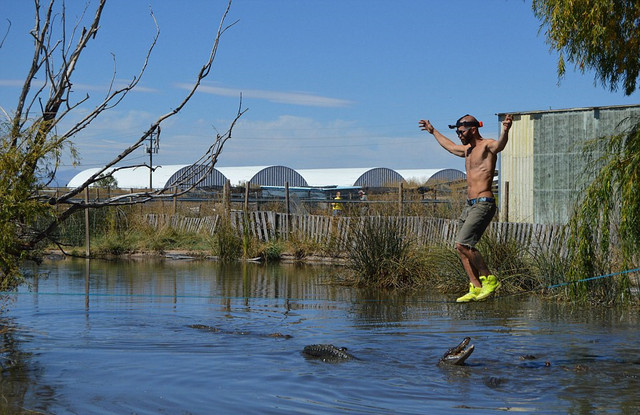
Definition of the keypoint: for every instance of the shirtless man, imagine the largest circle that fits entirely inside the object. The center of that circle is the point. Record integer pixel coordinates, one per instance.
(480, 155)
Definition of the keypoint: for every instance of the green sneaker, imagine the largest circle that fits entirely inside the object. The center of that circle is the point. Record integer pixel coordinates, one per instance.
(489, 285)
(471, 295)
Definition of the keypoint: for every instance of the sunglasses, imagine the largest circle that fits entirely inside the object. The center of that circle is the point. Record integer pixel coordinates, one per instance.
(460, 132)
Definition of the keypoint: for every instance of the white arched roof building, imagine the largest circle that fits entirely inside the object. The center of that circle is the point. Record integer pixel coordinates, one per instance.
(132, 177)
(165, 176)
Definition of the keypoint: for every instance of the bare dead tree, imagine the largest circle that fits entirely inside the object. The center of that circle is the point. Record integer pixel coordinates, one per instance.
(32, 139)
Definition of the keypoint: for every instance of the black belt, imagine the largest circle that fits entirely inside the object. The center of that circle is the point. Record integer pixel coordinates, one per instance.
(472, 202)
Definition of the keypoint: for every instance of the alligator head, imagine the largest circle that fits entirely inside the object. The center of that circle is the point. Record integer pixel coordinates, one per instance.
(326, 352)
(457, 355)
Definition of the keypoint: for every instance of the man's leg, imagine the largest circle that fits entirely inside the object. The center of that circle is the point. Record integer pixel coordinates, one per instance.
(481, 283)
(470, 264)
(473, 222)
(475, 261)
(488, 283)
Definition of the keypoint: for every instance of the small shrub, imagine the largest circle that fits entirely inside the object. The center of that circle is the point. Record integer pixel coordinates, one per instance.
(272, 251)
(382, 256)
(228, 245)
(114, 244)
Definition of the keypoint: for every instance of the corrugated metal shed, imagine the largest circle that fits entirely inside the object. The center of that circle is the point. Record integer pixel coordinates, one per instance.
(516, 167)
(544, 162)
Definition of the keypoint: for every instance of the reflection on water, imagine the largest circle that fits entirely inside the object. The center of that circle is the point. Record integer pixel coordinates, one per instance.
(203, 337)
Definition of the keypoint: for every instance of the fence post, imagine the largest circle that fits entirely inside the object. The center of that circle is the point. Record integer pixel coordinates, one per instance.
(288, 210)
(246, 197)
(226, 196)
(400, 199)
(506, 201)
(175, 200)
(286, 197)
(87, 249)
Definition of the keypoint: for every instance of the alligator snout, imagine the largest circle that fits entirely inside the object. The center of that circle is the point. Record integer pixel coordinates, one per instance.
(457, 355)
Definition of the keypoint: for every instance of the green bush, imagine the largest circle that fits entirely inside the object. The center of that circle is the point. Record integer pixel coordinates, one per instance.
(381, 255)
(228, 245)
(114, 244)
(272, 251)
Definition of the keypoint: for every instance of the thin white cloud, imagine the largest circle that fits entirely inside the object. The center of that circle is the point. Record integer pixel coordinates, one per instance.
(11, 82)
(79, 86)
(294, 98)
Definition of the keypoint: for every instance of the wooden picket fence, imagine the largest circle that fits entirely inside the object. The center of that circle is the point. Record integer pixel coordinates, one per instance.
(267, 226)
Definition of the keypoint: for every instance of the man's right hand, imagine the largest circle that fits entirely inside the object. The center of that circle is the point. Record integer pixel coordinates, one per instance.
(425, 125)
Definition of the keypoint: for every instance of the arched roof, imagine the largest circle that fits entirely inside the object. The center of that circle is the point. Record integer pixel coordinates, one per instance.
(278, 176)
(132, 177)
(447, 175)
(379, 177)
(193, 173)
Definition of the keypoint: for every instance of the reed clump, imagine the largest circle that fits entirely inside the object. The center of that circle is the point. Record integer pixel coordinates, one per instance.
(380, 255)
(227, 244)
(272, 251)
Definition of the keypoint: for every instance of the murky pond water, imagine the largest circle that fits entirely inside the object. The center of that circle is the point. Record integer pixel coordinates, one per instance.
(180, 337)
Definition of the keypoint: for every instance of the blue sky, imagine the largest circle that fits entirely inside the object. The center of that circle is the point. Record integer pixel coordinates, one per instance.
(328, 83)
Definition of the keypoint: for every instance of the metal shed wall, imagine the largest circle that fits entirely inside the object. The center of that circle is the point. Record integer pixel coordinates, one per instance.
(545, 163)
(516, 168)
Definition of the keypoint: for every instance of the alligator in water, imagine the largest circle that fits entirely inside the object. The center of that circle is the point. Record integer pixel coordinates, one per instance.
(327, 352)
(330, 353)
(211, 329)
(457, 355)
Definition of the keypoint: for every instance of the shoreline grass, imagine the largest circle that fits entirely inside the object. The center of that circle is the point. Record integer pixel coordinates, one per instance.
(379, 255)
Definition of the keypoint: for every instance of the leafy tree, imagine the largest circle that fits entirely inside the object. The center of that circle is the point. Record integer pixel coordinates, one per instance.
(605, 228)
(32, 142)
(602, 35)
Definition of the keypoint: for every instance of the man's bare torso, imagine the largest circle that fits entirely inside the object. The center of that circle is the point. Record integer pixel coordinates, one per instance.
(480, 164)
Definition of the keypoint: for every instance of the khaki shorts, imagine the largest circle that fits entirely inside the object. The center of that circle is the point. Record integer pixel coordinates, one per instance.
(473, 222)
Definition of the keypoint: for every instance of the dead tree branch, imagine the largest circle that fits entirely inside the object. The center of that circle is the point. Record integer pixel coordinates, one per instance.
(36, 139)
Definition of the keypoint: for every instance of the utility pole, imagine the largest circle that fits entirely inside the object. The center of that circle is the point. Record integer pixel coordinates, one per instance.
(154, 145)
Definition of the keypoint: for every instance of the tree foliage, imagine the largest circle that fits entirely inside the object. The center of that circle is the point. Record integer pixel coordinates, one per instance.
(32, 138)
(606, 226)
(20, 207)
(602, 35)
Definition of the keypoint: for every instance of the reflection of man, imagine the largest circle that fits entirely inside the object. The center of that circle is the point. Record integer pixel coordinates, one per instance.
(480, 162)
(336, 207)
